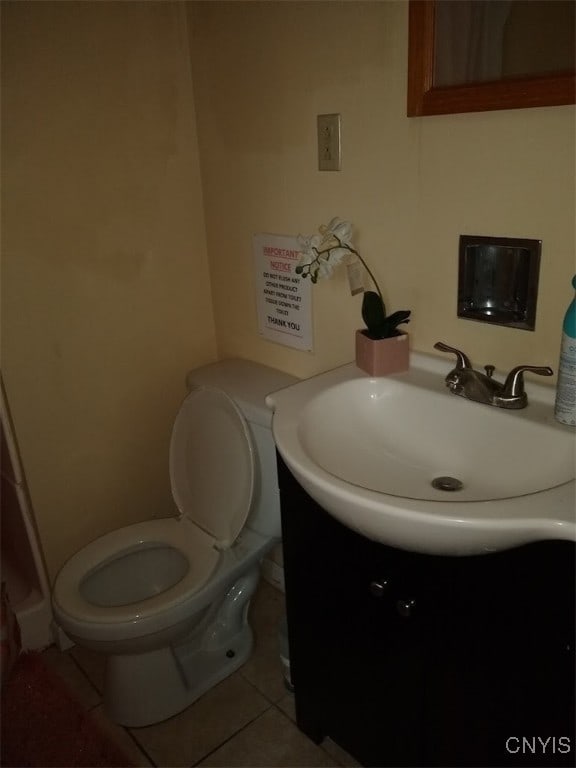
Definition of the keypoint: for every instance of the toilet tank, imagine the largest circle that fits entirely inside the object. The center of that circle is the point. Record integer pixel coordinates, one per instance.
(248, 383)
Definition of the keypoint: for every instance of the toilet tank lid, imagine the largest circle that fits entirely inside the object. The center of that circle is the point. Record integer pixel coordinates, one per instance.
(246, 382)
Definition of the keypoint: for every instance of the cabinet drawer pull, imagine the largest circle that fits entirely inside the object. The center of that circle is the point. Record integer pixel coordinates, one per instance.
(406, 608)
(378, 588)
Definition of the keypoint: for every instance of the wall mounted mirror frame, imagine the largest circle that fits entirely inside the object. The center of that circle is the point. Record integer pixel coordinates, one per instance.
(426, 99)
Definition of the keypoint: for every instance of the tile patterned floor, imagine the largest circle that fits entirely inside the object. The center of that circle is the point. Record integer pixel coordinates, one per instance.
(246, 720)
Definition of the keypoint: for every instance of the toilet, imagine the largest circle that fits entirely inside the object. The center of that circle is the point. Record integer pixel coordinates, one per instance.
(167, 600)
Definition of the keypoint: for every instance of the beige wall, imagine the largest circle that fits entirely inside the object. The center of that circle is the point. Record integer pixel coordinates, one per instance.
(262, 72)
(106, 299)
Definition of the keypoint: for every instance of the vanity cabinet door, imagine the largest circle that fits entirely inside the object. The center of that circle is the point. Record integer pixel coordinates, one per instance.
(357, 634)
(375, 671)
(503, 667)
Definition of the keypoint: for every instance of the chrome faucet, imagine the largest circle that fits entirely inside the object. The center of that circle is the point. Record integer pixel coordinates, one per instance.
(463, 380)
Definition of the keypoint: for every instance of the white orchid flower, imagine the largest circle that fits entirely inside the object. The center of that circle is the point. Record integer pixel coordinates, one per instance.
(330, 259)
(307, 244)
(325, 266)
(321, 253)
(340, 229)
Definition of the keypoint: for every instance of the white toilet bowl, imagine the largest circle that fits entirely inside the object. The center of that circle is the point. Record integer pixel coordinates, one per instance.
(167, 600)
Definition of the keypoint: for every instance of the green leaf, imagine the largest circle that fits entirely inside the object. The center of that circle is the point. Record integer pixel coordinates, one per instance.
(373, 314)
(397, 318)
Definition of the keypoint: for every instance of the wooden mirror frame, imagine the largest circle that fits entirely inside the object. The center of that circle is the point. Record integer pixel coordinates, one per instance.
(425, 99)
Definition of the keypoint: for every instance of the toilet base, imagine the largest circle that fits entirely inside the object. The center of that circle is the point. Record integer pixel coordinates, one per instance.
(146, 688)
(151, 687)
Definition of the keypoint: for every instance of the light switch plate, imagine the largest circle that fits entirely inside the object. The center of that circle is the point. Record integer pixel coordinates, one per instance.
(329, 151)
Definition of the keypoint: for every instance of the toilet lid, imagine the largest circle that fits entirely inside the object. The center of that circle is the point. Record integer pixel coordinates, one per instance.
(212, 464)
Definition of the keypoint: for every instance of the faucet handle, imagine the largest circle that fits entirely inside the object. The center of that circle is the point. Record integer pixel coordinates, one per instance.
(514, 384)
(462, 359)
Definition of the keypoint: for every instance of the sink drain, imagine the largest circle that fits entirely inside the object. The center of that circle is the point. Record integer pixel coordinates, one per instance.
(447, 484)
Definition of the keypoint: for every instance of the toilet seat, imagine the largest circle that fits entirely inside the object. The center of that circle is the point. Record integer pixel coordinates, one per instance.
(212, 466)
(186, 538)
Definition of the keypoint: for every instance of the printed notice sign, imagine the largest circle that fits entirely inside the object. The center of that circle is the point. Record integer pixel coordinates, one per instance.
(283, 297)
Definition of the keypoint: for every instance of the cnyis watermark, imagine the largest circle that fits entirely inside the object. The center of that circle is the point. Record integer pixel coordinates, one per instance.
(538, 745)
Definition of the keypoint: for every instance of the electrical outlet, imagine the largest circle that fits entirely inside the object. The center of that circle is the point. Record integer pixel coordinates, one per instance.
(329, 142)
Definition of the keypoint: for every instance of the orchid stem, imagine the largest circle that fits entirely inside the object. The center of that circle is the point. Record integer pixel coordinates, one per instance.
(351, 250)
(366, 267)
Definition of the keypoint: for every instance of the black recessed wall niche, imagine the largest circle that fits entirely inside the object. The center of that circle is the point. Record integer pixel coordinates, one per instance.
(498, 280)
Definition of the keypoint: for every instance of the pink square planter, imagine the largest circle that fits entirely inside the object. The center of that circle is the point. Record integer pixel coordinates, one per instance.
(379, 357)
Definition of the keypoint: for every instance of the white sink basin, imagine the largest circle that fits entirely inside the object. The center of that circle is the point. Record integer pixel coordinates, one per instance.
(405, 462)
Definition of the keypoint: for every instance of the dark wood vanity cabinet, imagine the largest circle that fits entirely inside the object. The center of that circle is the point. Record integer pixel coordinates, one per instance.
(407, 659)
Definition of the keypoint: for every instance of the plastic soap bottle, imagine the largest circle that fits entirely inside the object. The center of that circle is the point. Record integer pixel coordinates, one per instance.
(565, 410)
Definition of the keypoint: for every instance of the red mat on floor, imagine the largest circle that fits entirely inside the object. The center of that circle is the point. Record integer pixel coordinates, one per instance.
(43, 725)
